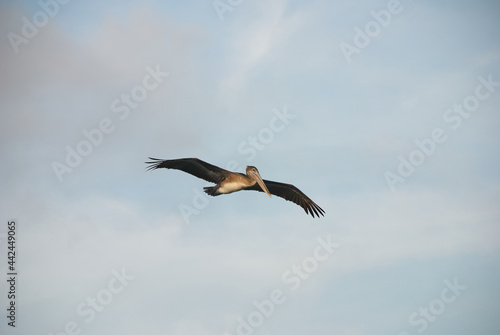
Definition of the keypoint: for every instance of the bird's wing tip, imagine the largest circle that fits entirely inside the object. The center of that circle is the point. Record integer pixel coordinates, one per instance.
(153, 164)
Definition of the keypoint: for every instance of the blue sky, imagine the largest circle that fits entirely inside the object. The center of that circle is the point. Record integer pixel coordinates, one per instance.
(397, 142)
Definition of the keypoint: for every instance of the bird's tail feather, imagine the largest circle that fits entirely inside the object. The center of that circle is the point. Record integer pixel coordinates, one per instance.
(211, 191)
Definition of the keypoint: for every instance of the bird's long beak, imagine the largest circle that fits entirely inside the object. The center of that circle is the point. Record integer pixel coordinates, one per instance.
(262, 184)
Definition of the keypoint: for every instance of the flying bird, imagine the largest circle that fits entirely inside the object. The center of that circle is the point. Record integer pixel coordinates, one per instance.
(229, 182)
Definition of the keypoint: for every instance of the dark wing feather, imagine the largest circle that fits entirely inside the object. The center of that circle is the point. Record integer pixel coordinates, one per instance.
(194, 166)
(290, 193)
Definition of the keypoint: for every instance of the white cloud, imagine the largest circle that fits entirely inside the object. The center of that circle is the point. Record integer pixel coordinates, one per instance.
(253, 42)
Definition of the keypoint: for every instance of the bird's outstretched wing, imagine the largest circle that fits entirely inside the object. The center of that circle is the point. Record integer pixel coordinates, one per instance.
(194, 166)
(291, 193)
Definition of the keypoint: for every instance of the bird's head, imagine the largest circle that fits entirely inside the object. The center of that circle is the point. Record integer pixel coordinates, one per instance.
(253, 173)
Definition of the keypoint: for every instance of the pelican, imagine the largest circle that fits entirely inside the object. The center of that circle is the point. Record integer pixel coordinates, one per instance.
(229, 182)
